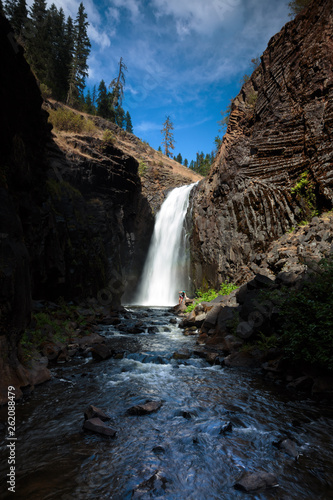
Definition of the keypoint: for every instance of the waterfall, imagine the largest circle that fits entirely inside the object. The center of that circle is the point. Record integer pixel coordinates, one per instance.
(166, 270)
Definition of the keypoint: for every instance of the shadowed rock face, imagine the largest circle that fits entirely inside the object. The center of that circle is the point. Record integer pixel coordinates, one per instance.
(280, 126)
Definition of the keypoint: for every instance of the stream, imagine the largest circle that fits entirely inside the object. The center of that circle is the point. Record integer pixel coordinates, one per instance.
(177, 452)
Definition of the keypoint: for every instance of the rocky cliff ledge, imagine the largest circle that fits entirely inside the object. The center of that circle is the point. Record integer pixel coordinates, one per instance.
(124, 181)
(280, 127)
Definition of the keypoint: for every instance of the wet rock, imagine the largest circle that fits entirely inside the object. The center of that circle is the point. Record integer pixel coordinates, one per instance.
(182, 354)
(243, 360)
(253, 481)
(200, 352)
(158, 449)
(227, 427)
(135, 330)
(230, 343)
(152, 329)
(98, 426)
(63, 356)
(89, 340)
(288, 446)
(186, 414)
(211, 357)
(51, 351)
(101, 352)
(145, 409)
(110, 321)
(153, 487)
(94, 412)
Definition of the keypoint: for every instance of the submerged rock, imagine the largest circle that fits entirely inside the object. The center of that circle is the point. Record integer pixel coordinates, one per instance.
(288, 446)
(145, 409)
(253, 481)
(227, 427)
(182, 354)
(155, 485)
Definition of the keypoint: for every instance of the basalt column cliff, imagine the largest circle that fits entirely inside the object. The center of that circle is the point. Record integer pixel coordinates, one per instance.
(280, 127)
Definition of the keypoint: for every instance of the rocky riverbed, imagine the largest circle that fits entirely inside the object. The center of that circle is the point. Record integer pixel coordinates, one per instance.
(176, 425)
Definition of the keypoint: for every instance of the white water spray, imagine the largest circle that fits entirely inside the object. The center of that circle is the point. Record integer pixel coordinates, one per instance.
(166, 270)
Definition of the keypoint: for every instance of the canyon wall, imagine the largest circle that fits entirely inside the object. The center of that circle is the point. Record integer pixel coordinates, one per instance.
(280, 127)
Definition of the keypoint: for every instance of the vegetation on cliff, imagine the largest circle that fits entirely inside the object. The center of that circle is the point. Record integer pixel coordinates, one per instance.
(306, 318)
(202, 295)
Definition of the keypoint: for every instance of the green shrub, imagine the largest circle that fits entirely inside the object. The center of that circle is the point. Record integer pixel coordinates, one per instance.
(304, 191)
(45, 91)
(57, 325)
(142, 169)
(307, 319)
(252, 98)
(68, 121)
(211, 294)
(108, 137)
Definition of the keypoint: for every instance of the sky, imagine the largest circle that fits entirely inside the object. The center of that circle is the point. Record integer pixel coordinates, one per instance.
(184, 58)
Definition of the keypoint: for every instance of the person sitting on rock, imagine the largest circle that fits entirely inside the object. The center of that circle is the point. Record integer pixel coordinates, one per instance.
(182, 296)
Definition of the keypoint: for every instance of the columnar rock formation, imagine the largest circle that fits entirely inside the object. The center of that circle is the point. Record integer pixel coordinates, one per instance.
(280, 126)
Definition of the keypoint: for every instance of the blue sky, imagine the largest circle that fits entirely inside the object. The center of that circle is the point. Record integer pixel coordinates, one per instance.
(185, 58)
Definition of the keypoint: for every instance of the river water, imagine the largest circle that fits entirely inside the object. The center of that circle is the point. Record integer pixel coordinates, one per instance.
(180, 445)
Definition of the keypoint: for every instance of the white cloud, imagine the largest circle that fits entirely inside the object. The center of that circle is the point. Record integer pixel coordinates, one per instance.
(147, 126)
(197, 15)
(99, 37)
(133, 6)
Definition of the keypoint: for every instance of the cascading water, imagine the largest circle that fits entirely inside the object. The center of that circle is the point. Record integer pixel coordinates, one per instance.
(166, 268)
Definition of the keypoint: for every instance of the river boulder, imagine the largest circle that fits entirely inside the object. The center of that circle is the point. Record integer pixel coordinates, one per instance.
(255, 481)
(94, 412)
(145, 409)
(99, 427)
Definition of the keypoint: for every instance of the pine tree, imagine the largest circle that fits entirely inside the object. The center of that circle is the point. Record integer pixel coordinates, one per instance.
(17, 13)
(103, 101)
(179, 158)
(88, 105)
(120, 117)
(93, 97)
(1, 7)
(168, 140)
(186, 162)
(68, 47)
(128, 122)
(9, 9)
(37, 39)
(79, 66)
(57, 68)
